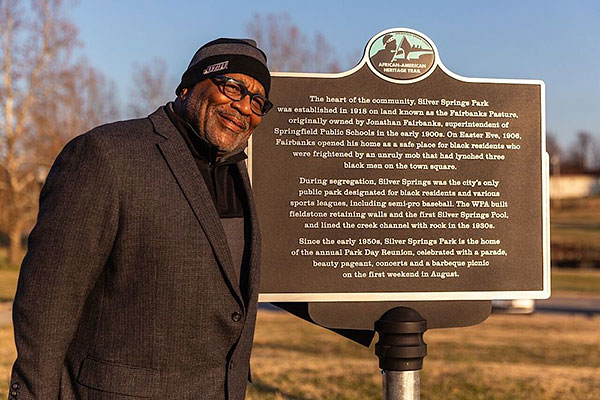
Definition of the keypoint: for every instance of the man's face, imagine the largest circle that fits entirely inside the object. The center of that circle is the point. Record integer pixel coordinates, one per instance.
(225, 123)
(390, 44)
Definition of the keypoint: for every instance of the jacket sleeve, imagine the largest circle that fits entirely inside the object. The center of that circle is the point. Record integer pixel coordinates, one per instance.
(67, 251)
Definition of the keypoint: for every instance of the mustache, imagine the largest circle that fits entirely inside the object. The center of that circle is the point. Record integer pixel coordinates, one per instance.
(236, 117)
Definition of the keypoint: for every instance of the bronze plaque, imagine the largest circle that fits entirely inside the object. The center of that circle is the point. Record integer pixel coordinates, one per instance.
(400, 180)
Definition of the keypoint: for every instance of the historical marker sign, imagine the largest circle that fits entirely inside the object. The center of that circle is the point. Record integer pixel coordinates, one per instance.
(399, 180)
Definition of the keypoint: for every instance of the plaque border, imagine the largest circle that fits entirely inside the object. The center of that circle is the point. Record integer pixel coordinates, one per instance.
(544, 293)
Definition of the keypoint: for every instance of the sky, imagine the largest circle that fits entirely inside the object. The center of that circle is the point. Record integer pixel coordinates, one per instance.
(557, 42)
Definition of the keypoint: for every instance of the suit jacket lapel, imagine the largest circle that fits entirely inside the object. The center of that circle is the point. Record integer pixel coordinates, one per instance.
(255, 243)
(182, 165)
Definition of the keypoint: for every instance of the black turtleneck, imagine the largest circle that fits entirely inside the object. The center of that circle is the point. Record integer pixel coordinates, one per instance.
(220, 175)
(226, 188)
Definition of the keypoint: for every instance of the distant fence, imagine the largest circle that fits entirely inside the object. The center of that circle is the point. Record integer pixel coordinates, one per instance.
(567, 186)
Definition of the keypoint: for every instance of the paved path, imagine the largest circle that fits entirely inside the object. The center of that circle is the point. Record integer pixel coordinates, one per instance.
(569, 305)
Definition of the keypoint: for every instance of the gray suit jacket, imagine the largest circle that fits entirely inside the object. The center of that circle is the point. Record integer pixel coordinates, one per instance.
(128, 289)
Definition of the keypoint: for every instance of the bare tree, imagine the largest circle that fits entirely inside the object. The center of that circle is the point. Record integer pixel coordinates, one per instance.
(289, 49)
(578, 159)
(83, 100)
(554, 152)
(151, 86)
(552, 146)
(38, 77)
(595, 156)
(324, 58)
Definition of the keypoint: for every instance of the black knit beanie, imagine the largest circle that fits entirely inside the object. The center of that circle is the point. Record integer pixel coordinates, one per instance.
(223, 56)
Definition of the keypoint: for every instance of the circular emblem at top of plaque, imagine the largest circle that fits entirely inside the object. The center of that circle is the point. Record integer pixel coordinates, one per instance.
(401, 55)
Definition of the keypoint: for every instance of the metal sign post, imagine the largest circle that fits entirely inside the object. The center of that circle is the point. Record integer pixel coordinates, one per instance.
(401, 350)
(401, 385)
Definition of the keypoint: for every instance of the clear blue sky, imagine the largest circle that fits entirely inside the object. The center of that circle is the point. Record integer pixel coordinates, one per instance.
(556, 41)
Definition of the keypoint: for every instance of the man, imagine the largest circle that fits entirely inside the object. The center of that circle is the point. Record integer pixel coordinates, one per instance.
(141, 277)
(387, 53)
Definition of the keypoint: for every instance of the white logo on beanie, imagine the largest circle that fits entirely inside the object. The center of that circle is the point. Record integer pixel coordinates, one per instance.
(215, 67)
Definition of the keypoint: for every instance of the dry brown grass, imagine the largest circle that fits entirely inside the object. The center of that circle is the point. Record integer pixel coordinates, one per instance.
(7, 357)
(537, 357)
(8, 284)
(575, 232)
(507, 357)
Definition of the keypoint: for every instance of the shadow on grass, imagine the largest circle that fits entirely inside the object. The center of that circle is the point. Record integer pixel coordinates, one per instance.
(261, 388)
(318, 348)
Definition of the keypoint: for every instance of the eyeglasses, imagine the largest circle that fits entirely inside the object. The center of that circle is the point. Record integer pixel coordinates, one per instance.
(236, 90)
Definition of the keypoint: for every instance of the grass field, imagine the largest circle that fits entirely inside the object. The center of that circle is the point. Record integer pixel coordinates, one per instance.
(8, 283)
(8, 277)
(570, 281)
(507, 357)
(576, 220)
(575, 232)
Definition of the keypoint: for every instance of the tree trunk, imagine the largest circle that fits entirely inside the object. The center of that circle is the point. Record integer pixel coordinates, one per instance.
(15, 250)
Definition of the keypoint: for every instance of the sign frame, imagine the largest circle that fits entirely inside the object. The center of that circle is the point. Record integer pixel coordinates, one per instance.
(430, 295)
